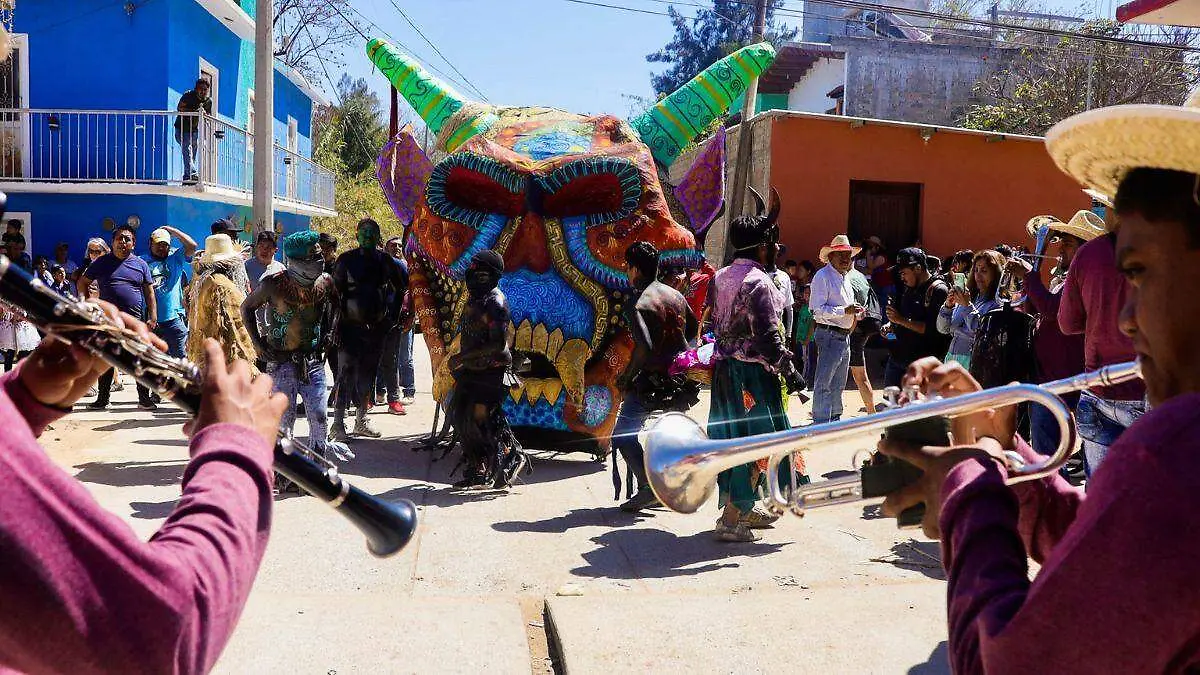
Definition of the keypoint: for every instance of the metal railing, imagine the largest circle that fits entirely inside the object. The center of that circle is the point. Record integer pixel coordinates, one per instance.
(147, 147)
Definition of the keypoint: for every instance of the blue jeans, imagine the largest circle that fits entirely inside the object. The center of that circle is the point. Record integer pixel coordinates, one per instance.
(316, 404)
(833, 364)
(1100, 422)
(1043, 430)
(396, 366)
(174, 333)
(893, 372)
(188, 140)
(625, 439)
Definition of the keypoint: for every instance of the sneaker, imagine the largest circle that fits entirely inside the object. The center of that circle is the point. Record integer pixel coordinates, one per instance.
(407, 400)
(397, 408)
(644, 499)
(363, 428)
(759, 519)
(514, 462)
(381, 398)
(337, 432)
(148, 404)
(98, 405)
(734, 533)
(155, 398)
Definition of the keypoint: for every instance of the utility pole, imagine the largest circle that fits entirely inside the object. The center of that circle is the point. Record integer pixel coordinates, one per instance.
(741, 171)
(264, 114)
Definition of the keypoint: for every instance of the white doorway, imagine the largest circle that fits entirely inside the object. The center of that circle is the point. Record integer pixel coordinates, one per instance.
(14, 96)
(208, 139)
(293, 148)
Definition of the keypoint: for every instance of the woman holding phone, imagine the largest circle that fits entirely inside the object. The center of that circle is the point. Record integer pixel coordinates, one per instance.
(966, 305)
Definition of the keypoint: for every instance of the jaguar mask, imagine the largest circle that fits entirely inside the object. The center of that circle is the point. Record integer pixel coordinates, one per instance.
(560, 196)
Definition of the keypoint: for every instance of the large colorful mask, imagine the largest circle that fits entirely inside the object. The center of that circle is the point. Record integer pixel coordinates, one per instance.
(560, 196)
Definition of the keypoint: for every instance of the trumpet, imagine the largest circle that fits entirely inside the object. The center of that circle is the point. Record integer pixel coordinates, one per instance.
(682, 463)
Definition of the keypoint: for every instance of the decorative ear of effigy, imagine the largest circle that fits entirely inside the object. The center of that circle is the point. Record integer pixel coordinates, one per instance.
(679, 118)
(776, 205)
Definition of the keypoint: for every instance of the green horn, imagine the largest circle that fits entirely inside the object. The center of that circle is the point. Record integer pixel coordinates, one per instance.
(431, 98)
(678, 119)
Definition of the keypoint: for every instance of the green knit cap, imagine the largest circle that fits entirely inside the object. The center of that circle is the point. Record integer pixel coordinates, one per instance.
(299, 244)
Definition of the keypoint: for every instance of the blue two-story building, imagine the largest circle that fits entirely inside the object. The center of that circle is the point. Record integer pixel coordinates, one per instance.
(87, 121)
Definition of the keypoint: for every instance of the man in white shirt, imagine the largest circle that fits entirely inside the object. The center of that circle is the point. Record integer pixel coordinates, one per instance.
(831, 298)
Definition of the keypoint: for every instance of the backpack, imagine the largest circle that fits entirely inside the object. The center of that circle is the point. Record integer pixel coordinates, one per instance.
(873, 317)
(1003, 350)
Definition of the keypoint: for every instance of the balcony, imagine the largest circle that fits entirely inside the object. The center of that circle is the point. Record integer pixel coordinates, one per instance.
(139, 152)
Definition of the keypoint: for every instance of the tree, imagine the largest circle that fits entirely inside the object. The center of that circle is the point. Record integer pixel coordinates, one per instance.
(713, 34)
(1048, 82)
(309, 31)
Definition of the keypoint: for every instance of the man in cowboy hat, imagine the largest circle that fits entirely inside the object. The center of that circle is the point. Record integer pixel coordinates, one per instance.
(750, 358)
(831, 299)
(1058, 355)
(1116, 589)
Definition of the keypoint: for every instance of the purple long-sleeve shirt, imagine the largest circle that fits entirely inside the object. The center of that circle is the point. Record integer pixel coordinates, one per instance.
(1117, 591)
(80, 593)
(1091, 305)
(1058, 355)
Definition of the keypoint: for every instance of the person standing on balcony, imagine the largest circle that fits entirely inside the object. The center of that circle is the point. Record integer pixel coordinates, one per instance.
(187, 126)
(167, 269)
(124, 280)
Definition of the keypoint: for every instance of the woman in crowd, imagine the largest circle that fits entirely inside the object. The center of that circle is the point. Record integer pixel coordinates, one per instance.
(964, 307)
(96, 247)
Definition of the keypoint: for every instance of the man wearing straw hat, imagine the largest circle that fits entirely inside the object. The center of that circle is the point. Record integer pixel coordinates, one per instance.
(831, 298)
(1116, 591)
(1058, 355)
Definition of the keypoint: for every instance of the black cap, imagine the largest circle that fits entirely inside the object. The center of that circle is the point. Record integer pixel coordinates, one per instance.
(908, 257)
(225, 226)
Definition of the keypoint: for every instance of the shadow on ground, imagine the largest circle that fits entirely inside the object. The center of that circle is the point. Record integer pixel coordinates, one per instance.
(938, 663)
(129, 474)
(645, 553)
(923, 556)
(152, 510)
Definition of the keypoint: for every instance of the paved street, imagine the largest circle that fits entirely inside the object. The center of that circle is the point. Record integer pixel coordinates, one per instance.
(549, 577)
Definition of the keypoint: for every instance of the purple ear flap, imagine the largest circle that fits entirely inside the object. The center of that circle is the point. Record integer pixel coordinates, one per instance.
(701, 193)
(402, 170)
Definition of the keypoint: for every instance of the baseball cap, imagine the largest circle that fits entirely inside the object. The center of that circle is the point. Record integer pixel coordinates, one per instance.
(225, 226)
(908, 257)
(160, 236)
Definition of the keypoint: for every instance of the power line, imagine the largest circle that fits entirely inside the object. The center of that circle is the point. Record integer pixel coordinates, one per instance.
(439, 52)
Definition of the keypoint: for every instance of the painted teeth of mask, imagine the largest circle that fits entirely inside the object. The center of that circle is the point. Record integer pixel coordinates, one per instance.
(533, 389)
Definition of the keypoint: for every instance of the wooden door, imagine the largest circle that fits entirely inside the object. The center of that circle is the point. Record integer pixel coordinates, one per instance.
(890, 211)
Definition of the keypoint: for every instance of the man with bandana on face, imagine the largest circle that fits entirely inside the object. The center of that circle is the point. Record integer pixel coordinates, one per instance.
(662, 326)
(366, 278)
(299, 316)
(481, 372)
(750, 358)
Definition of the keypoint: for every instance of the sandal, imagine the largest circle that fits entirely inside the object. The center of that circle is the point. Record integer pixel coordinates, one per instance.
(758, 519)
(734, 533)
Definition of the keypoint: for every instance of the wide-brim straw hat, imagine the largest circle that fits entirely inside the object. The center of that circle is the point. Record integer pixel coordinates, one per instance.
(1099, 147)
(220, 248)
(1084, 225)
(839, 243)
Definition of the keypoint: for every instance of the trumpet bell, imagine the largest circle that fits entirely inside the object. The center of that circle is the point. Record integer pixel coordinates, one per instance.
(670, 444)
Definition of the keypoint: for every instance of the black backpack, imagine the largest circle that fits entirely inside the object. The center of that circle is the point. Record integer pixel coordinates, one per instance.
(1003, 350)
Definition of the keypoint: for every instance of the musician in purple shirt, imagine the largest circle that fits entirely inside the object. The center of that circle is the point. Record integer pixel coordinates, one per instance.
(1117, 590)
(81, 592)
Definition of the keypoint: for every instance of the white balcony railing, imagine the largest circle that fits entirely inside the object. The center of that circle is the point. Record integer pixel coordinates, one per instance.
(145, 147)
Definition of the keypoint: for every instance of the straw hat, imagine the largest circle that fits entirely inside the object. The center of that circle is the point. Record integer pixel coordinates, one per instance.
(1099, 147)
(839, 243)
(219, 248)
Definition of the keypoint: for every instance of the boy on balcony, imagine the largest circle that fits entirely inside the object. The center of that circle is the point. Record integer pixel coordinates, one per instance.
(187, 127)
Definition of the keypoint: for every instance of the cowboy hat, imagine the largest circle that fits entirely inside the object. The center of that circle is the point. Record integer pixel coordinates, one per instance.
(1099, 147)
(1084, 224)
(219, 248)
(839, 243)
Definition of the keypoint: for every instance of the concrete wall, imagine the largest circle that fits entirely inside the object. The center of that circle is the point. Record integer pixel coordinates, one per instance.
(914, 81)
(809, 94)
(975, 193)
(822, 21)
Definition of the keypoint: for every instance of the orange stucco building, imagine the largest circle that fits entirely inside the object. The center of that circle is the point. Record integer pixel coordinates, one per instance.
(946, 188)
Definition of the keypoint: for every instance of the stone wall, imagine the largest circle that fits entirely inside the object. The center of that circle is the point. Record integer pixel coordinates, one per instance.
(914, 81)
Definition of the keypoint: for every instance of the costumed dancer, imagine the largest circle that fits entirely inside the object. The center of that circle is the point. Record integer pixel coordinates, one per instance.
(482, 378)
(750, 360)
(217, 297)
(365, 278)
(662, 326)
(301, 302)
(1116, 591)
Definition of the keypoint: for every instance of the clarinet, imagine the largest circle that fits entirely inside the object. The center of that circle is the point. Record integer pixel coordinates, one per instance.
(387, 526)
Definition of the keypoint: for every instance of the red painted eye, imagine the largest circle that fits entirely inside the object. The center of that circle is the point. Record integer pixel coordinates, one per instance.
(469, 188)
(598, 190)
(598, 193)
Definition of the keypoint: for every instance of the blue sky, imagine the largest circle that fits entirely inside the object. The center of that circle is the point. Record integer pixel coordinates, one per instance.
(536, 52)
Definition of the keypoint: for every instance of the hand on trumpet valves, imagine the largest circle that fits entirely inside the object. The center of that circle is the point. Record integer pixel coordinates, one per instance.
(230, 394)
(58, 373)
(1017, 267)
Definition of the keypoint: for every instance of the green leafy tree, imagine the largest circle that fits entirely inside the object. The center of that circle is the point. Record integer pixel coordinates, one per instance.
(1050, 80)
(713, 34)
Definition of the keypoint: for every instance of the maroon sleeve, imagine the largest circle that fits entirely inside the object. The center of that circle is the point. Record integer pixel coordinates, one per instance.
(1116, 594)
(1044, 302)
(1048, 506)
(36, 415)
(82, 594)
(1072, 317)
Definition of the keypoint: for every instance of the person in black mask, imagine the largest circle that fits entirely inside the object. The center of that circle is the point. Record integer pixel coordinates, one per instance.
(365, 278)
(482, 378)
(662, 325)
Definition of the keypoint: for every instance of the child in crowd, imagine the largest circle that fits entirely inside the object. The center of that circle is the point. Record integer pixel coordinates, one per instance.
(803, 325)
(59, 282)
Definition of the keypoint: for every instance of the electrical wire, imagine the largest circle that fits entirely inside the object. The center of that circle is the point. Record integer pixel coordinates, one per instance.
(439, 52)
